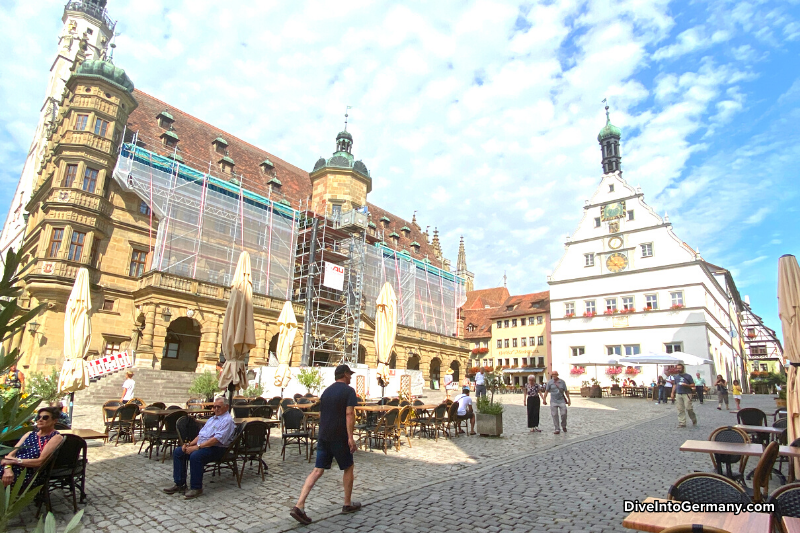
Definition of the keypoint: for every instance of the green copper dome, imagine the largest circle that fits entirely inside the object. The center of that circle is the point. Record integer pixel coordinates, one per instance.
(609, 130)
(106, 70)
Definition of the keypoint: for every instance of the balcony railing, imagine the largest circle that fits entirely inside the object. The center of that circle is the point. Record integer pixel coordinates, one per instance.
(80, 198)
(87, 138)
(93, 10)
(58, 267)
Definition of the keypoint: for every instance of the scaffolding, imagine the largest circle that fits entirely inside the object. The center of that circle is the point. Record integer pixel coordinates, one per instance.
(205, 222)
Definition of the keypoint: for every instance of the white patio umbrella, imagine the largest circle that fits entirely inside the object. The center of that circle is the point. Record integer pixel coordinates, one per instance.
(789, 312)
(238, 328)
(77, 337)
(385, 331)
(288, 324)
(594, 360)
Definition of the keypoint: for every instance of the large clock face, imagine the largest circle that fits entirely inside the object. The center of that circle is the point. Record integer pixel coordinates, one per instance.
(613, 210)
(614, 243)
(616, 262)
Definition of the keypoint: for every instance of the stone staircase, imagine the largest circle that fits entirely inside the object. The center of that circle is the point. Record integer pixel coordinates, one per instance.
(168, 386)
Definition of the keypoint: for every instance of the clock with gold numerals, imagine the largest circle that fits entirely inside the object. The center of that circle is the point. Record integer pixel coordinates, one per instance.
(617, 262)
(613, 211)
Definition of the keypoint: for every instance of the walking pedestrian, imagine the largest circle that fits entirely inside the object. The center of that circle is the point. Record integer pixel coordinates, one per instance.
(480, 384)
(559, 400)
(722, 392)
(662, 390)
(15, 379)
(699, 386)
(531, 400)
(127, 387)
(669, 383)
(683, 390)
(737, 393)
(337, 419)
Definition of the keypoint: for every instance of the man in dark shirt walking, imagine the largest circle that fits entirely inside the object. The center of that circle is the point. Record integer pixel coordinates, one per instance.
(683, 389)
(337, 419)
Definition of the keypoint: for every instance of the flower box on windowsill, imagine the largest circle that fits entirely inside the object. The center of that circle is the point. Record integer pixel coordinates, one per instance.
(646, 309)
(678, 306)
(628, 311)
(610, 312)
(589, 314)
(569, 315)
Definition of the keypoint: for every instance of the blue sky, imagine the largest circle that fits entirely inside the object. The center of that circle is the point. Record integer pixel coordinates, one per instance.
(482, 116)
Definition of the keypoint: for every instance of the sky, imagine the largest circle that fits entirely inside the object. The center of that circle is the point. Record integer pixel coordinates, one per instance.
(482, 116)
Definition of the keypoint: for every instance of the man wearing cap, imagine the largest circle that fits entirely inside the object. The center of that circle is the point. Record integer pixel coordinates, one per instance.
(337, 419)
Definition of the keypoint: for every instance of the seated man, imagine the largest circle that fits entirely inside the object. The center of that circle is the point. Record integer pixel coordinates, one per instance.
(208, 446)
(465, 409)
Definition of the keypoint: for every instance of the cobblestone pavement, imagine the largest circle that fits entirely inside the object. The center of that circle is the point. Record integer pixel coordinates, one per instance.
(615, 449)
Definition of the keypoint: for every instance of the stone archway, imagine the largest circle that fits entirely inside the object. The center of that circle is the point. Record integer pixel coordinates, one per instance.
(455, 366)
(413, 362)
(181, 345)
(435, 371)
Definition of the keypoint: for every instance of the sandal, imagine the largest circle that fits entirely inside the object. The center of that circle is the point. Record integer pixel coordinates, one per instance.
(300, 515)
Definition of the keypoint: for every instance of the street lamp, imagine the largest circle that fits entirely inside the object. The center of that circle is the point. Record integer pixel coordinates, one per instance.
(167, 314)
(33, 326)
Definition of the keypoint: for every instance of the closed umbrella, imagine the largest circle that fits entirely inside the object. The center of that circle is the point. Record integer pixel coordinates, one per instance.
(385, 331)
(789, 312)
(77, 336)
(288, 324)
(238, 328)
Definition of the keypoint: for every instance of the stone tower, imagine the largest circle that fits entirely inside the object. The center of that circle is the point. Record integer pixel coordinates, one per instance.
(87, 32)
(340, 183)
(609, 138)
(461, 266)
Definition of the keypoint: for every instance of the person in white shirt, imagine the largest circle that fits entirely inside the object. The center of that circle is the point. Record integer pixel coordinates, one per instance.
(480, 384)
(127, 387)
(465, 409)
(669, 382)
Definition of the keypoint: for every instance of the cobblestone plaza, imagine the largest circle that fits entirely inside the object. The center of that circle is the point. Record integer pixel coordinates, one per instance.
(616, 449)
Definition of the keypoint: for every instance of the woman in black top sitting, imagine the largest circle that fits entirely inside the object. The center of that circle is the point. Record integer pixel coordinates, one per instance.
(33, 448)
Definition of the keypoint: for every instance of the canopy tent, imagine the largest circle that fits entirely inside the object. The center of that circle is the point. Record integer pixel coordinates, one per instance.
(385, 331)
(662, 358)
(594, 360)
(288, 329)
(789, 312)
(238, 328)
(77, 337)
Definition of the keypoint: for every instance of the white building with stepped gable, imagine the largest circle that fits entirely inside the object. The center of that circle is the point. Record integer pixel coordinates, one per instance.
(627, 284)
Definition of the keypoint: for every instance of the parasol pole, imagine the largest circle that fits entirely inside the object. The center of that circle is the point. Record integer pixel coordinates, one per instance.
(71, 405)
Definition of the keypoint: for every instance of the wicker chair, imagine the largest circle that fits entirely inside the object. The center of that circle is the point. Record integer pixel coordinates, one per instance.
(395, 402)
(786, 500)
(168, 435)
(151, 426)
(109, 410)
(258, 401)
(286, 403)
(730, 434)
(384, 401)
(418, 402)
(275, 401)
(187, 429)
(760, 491)
(253, 446)
(174, 408)
(454, 420)
(124, 422)
(704, 487)
(240, 410)
(296, 396)
(156, 405)
(228, 460)
(303, 401)
(750, 416)
(43, 496)
(778, 414)
(781, 423)
(309, 395)
(440, 421)
(694, 528)
(385, 431)
(294, 431)
(68, 467)
(405, 423)
(137, 401)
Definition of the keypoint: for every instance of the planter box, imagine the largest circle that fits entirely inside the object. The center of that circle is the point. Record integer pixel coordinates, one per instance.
(585, 392)
(596, 392)
(489, 425)
(780, 403)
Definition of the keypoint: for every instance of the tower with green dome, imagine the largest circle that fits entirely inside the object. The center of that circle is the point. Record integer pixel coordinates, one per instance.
(609, 138)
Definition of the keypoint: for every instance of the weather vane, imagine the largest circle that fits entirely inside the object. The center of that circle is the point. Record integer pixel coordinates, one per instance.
(605, 101)
(345, 116)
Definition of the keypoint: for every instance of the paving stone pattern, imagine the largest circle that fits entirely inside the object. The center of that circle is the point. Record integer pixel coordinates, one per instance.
(615, 449)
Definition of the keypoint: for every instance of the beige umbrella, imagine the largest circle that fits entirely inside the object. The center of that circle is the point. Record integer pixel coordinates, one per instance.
(789, 312)
(288, 324)
(385, 331)
(238, 327)
(77, 336)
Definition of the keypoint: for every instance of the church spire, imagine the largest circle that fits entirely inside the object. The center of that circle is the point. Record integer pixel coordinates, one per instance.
(461, 263)
(437, 248)
(609, 138)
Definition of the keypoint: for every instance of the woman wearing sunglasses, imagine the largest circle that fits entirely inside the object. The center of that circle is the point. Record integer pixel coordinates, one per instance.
(33, 448)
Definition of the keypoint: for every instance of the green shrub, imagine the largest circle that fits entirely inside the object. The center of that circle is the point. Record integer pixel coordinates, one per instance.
(44, 387)
(205, 385)
(311, 379)
(254, 391)
(488, 407)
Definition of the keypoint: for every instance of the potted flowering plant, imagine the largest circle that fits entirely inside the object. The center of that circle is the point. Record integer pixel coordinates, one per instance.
(589, 314)
(628, 310)
(577, 370)
(610, 312)
(648, 308)
(677, 306)
(632, 371)
(569, 315)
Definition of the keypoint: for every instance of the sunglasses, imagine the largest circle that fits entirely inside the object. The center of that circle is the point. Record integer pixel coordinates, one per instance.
(42, 417)
(217, 406)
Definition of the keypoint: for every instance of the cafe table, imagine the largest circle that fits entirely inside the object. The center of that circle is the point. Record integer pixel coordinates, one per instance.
(791, 524)
(760, 429)
(376, 408)
(85, 434)
(656, 522)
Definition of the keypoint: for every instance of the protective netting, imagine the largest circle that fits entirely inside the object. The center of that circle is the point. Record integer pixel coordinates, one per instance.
(204, 223)
(428, 297)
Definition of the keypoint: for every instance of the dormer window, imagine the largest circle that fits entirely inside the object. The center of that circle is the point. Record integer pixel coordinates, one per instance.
(406, 230)
(509, 308)
(267, 167)
(274, 183)
(165, 120)
(220, 145)
(395, 237)
(415, 246)
(385, 221)
(170, 138)
(226, 164)
(373, 226)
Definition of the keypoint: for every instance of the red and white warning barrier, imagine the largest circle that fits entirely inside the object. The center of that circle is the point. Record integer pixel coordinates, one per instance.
(109, 363)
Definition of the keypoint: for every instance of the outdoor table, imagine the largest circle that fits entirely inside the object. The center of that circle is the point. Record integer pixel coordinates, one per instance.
(760, 429)
(240, 421)
(655, 522)
(791, 524)
(85, 434)
(727, 448)
(376, 408)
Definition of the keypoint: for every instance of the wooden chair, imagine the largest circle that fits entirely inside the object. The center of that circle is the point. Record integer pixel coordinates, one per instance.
(68, 467)
(704, 487)
(44, 470)
(750, 416)
(109, 410)
(454, 420)
(730, 434)
(385, 431)
(293, 422)
(125, 421)
(138, 402)
(760, 491)
(786, 500)
(228, 460)
(253, 446)
(405, 424)
(187, 429)
(258, 401)
(168, 433)
(151, 425)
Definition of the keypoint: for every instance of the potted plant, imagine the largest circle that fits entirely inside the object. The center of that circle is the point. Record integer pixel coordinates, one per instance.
(780, 401)
(489, 418)
(589, 314)
(205, 385)
(311, 379)
(596, 391)
(586, 389)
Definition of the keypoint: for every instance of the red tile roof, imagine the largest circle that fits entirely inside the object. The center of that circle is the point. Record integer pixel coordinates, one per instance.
(196, 149)
(525, 304)
(481, 319)
(481, 298)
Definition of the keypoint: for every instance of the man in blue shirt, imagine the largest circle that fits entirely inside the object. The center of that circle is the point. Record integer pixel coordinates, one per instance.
(337, 419)
(209, 445)
(683, 390)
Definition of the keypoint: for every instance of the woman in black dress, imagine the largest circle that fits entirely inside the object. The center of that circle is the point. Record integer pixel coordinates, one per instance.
(532, 399)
